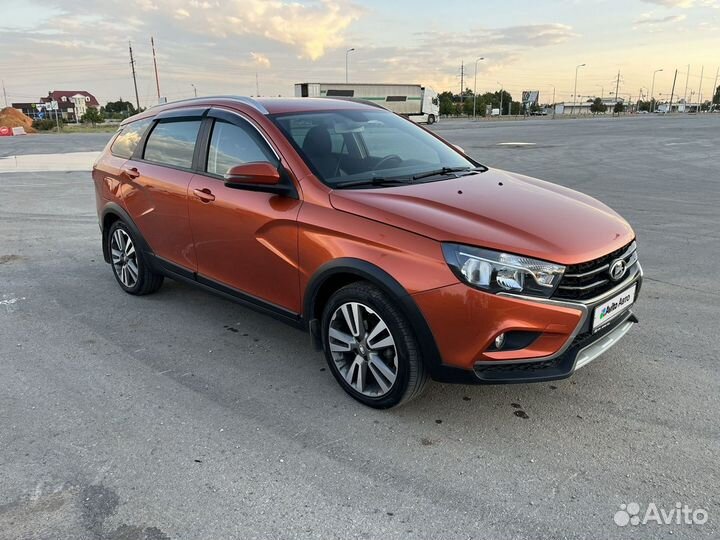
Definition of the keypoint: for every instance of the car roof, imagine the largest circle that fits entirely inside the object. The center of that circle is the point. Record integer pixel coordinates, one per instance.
(298, 104)
(264, 106)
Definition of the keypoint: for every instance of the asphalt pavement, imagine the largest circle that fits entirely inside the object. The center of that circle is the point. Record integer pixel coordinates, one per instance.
(183, 415)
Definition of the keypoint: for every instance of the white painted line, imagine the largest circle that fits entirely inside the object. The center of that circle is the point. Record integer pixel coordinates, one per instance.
(516, 144)
(70, 161)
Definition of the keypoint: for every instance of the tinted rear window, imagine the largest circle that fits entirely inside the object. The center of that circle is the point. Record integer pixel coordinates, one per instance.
(128, 138)
(173, 143)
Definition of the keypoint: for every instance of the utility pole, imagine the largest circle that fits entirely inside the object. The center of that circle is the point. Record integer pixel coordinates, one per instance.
(257, 85)
(617, 86)
(575, 90)
(502, 91)
(132, 66)
(672, 92)
(346, 63)
(157, 80)
(553, 102)
(687, 79)
(462, 80)
(652, 91)
(194, 89)
(4, 94)
(714, 88)
(702, 72)
(475, 86)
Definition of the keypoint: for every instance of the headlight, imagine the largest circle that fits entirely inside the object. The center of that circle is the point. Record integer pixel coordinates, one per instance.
(494, 271)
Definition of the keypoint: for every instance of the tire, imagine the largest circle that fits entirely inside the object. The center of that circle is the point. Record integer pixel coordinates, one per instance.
(431, 119)
(363, 357)
(128, 263)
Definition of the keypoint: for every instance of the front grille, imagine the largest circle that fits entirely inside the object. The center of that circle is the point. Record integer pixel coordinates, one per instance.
(592, 278)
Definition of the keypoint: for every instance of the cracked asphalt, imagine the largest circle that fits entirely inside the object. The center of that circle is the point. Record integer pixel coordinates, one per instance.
(183, 415)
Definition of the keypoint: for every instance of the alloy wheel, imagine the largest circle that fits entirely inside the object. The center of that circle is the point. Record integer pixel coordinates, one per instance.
(363, 349)
(124, 258)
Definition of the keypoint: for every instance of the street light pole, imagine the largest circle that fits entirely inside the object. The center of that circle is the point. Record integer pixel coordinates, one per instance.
(575, 90)
(475, 86)
(553, 100)
(194, 89)
(502, 88)
(652, 91)
(346, 63)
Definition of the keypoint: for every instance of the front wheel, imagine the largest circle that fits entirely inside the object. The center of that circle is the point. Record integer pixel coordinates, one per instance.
(431, 119)
(370, 347)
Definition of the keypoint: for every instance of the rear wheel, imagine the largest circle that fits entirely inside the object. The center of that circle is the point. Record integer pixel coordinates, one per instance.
(131, 271)
(370, 347)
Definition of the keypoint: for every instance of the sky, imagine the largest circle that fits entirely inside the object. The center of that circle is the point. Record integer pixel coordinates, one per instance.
(252, 47)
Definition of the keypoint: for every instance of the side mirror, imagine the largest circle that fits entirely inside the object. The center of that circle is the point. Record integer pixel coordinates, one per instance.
(258, 173)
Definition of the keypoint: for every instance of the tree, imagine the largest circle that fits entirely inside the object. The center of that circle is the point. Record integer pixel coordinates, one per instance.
(716, 97)
(447, 106)
(619, 108)
(120, 108)
(598, 106)
(91, 116)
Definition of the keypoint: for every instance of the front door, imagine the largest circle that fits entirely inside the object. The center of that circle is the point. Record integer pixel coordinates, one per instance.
(245, 240)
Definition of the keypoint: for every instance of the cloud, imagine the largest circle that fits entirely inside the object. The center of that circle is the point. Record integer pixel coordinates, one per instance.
(181, 13)
(649, 19)
(260, 59)
(311, 27)
(683, 3)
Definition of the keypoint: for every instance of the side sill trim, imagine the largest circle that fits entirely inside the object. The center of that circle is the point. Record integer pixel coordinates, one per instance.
(180, 273)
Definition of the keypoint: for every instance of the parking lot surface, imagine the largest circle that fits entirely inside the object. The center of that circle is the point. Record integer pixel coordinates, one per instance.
(183, 415)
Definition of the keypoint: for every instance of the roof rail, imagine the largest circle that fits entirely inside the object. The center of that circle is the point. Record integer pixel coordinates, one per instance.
(242, 99)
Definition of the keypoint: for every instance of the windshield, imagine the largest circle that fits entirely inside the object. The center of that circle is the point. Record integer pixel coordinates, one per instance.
(348, 147)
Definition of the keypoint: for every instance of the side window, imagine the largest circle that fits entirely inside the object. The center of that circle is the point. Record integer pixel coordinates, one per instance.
(127, 140)
(232, 145)
(173, 143)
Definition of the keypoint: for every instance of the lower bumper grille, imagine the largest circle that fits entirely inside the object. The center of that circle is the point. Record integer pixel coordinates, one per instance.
(555, 368)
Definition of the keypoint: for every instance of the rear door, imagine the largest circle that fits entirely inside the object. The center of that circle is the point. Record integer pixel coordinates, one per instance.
(244, 239)
(157, 196)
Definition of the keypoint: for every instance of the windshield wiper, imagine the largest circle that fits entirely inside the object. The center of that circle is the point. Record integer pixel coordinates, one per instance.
(448, 170)
(374, 181)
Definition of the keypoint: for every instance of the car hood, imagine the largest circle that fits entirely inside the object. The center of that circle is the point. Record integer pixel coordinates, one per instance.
(497, 210)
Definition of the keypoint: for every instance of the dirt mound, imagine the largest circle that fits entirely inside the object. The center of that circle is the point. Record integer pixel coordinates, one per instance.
(11, 118)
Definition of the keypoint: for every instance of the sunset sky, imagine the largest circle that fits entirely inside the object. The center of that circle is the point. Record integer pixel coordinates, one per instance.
(220, 46)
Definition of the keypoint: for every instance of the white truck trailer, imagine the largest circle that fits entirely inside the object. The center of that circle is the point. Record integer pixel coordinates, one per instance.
(417, 102)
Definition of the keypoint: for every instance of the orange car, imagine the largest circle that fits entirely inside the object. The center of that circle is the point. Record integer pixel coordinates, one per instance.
(404, 258)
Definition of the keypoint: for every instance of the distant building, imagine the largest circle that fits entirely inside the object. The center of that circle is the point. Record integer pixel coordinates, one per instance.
(579, 109)
(72, 105)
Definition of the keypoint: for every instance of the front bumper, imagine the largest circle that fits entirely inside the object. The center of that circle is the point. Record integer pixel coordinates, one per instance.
(467, 324)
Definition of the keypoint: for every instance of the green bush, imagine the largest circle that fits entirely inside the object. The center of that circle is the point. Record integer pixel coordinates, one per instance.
(46, 124)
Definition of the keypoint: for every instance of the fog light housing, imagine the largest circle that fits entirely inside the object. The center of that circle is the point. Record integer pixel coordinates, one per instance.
(500, 341)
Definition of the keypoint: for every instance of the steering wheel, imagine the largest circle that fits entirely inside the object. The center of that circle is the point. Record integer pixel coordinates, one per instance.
(386, 160)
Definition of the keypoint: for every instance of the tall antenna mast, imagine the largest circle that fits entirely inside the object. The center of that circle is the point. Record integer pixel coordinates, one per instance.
(132, 66)
(157, 80)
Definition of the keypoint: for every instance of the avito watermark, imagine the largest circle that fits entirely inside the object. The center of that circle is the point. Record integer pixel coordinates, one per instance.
(680, 514)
